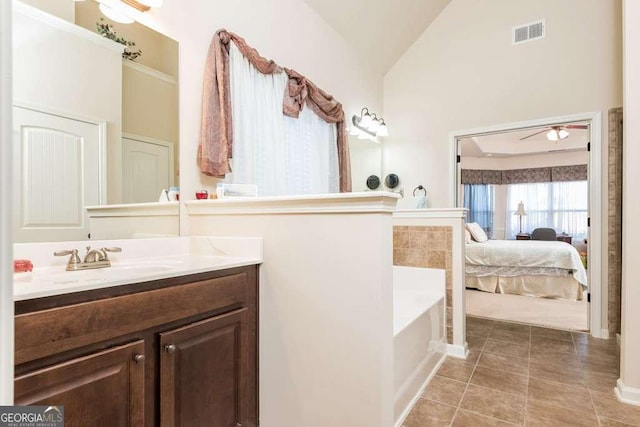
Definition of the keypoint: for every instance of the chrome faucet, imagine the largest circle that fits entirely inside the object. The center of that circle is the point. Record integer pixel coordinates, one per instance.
(94, 258)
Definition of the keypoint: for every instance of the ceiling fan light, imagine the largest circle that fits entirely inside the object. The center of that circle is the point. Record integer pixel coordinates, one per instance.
(562, 133)
(383, 130)
(552, 135)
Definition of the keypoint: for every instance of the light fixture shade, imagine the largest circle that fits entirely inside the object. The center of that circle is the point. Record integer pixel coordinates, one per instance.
(552, 135)
(375, 124)
(366, 120)
(151, 3)
(562, 133)
(115, 14)
(382, 130)
(520, 211)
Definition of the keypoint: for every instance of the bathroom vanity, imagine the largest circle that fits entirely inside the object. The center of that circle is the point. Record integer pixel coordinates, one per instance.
(172, 351)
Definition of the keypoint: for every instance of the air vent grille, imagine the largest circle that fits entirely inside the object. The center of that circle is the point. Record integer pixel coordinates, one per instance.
(528, 32)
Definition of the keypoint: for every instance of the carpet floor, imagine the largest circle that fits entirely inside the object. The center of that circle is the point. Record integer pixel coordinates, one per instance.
(554, 313)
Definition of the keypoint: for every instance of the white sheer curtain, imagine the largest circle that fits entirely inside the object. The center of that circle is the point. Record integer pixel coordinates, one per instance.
(562, 206)
(282, 155)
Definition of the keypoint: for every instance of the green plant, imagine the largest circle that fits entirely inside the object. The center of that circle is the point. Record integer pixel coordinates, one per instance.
(107, 31)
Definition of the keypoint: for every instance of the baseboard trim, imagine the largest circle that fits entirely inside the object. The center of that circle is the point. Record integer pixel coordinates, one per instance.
(421, 390)
(603, 333)
(626, 394)
(458, 351)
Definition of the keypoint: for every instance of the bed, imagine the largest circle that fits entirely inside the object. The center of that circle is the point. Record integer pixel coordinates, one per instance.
(525, 267)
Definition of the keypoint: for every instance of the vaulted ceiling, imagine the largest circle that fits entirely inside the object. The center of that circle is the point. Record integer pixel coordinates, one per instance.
(381, 30)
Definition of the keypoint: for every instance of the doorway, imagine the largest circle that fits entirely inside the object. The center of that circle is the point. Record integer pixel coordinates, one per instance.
(553, 136)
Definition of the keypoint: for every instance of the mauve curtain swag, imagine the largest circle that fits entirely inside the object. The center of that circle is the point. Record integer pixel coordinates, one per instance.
(216, 134)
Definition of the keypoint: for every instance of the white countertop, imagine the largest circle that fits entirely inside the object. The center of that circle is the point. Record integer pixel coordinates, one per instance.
(173, 257)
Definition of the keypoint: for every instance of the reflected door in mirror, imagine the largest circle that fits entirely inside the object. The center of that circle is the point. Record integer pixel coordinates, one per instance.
(147, 167)
(58, 172)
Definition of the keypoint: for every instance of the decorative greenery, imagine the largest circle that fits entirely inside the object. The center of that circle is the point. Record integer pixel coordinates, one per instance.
(107, 31)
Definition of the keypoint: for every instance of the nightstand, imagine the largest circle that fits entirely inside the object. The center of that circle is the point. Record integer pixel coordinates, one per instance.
(564, 238)
(523, 236)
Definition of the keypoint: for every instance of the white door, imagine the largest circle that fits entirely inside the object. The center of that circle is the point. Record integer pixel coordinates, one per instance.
(147, 168)
(58, 172)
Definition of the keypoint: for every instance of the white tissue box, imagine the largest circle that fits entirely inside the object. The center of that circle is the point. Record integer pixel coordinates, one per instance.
(237, 190)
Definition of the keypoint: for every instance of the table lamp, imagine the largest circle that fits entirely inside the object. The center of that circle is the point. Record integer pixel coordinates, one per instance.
(520, 212)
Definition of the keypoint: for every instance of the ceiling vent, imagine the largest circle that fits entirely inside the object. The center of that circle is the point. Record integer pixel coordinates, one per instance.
(528, 32)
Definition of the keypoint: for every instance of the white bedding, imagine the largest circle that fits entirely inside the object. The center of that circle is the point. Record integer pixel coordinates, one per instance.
(527, 254)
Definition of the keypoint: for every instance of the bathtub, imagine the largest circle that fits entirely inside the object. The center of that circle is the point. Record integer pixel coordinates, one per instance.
(418, 333)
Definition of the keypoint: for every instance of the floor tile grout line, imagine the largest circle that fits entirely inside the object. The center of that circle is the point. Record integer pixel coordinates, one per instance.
(475, 365)
(593, 405)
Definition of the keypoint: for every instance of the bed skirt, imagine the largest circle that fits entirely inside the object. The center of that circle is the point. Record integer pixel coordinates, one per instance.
(562, 287)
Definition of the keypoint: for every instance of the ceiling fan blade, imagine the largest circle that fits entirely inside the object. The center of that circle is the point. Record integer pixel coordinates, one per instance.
(534, 134)
(576, 126)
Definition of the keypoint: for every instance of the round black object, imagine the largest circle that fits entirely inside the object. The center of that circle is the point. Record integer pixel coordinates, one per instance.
(392, 180)
(373, 182)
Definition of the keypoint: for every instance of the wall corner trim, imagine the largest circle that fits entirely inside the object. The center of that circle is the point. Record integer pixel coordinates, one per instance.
(626, 394)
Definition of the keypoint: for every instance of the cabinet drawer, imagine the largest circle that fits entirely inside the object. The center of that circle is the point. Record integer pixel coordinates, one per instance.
(44, 333)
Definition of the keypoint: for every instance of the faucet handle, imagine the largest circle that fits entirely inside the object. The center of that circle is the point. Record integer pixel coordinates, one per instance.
(74, 259)
(112, 249)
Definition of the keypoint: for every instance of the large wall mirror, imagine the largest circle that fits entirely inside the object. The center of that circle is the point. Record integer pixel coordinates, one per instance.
(92, 127)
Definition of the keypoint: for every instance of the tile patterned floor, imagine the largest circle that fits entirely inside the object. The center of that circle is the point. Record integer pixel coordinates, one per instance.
(526, 375)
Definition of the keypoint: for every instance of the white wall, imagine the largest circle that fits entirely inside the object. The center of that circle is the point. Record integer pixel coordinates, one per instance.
(463, 73)
(629, 383)
(6, 252)
(326, 305)
(288, 31)
(64, 9)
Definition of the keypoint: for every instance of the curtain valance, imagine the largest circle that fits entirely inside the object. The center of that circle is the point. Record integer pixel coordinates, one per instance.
(216, 136)
(522, 176)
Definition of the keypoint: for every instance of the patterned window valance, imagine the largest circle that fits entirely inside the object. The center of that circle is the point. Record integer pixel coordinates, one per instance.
(523, 176)
(569, 173)
(477, 176)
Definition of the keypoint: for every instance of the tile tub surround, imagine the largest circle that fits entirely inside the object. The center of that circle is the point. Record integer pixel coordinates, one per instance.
(147, 259)
(525, 375)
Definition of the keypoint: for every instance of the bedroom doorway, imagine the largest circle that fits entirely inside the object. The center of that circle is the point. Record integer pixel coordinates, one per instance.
(524, 177)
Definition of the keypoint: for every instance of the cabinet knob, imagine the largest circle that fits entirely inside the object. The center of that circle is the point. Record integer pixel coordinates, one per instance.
(170, 348)
(138, 358)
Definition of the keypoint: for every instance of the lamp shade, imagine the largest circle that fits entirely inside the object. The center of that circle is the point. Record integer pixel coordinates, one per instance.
(520, 210)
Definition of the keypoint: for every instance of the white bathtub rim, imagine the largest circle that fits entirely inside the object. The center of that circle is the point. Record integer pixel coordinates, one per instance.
(421, 390)
(415, 315)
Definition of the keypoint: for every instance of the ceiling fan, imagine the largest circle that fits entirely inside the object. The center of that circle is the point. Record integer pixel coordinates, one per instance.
(555, 133)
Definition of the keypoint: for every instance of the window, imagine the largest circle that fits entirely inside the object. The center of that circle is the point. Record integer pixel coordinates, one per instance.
(280, 154)
(562, 206)
(480, 200)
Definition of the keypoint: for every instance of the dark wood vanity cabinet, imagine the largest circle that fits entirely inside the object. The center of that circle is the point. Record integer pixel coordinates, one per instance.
(103, 388)
(173, 352)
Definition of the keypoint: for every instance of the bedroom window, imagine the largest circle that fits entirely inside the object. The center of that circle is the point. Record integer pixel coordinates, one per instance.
(562, 206)
(480, 200)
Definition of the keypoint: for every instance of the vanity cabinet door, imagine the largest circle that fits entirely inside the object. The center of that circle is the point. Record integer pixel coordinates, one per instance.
(102, 389)
(207, 372)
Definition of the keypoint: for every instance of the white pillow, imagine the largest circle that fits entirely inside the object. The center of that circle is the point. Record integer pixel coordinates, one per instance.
(467, 237)
(477, 232)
